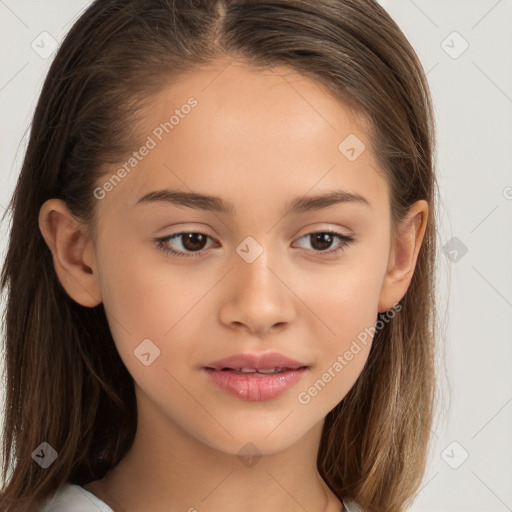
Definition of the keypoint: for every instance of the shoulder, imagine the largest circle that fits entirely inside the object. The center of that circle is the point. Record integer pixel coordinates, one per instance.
(351, 506)
(73, 498)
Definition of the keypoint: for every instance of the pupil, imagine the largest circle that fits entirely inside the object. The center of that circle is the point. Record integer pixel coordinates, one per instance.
(191, 237)
(325, 240)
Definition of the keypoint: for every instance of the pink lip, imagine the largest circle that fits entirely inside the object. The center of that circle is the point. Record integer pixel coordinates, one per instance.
(260, 361)
(255, 386)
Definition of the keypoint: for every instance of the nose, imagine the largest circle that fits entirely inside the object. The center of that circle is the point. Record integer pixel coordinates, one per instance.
(257, 297)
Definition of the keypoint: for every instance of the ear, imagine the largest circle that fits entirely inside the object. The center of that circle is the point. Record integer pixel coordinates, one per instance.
(72, 250)
(403, 256)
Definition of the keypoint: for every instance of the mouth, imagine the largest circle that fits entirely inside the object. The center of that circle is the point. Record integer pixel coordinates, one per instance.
(255, 384)
(256, 362)
(258, 371)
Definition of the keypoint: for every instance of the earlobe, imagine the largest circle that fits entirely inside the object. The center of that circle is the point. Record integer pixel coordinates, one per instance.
(72, 251)
(404, 255)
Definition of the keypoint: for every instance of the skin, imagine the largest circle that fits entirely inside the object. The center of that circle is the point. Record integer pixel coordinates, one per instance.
(257, 138)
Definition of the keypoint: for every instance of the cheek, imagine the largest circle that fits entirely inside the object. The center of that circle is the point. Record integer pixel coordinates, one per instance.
(344, 338)
(345, 305)
(159, 302)
(343, 299)
(148, 298)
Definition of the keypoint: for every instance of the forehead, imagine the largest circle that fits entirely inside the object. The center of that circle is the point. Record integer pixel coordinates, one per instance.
(276, 100)
(252, 132)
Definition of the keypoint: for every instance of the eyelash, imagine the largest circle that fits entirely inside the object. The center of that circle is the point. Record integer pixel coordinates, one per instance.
(161, 243)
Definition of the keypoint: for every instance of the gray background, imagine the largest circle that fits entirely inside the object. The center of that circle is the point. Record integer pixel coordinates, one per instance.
(470, 463)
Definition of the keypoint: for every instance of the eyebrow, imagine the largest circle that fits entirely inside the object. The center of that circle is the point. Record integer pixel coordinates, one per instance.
(206, 202)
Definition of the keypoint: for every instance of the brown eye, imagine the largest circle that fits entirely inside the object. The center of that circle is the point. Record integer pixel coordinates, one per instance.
(322, 241)
(192, 243)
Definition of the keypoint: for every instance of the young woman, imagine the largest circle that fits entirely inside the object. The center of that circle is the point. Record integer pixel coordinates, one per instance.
(220, 274)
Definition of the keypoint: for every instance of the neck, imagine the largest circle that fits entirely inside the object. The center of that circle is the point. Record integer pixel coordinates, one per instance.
(169, 469)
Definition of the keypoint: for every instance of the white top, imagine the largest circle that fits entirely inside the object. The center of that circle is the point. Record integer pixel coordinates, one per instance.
(73, 498)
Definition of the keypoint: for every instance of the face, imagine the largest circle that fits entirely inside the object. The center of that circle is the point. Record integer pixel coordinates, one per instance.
(254, 278)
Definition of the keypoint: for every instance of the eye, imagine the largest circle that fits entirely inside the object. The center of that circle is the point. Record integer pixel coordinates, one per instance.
(190, 240)
(322, 239)
(195, 241)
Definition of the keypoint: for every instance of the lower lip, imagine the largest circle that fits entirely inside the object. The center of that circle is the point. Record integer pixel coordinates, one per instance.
(253, 386)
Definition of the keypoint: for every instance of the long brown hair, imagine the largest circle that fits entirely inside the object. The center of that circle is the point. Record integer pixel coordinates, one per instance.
(65, 382)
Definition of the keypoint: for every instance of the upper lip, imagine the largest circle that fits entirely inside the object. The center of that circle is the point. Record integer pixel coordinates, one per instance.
(264, 361)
